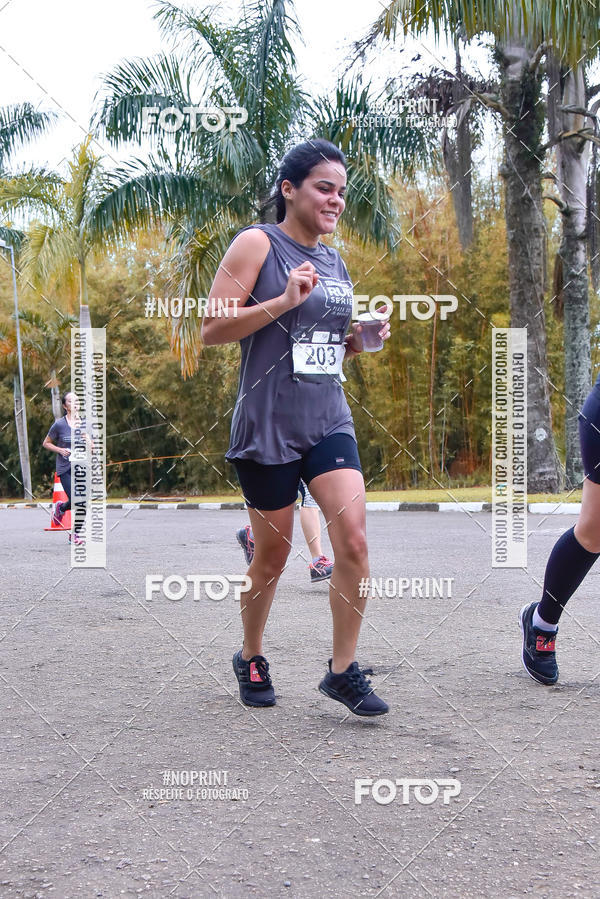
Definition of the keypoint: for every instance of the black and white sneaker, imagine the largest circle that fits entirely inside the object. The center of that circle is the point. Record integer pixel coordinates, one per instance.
(539, 648)
(256, 688)
(352, 688)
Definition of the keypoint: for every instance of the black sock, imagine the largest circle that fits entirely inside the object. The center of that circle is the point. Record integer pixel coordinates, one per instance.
(567, 566)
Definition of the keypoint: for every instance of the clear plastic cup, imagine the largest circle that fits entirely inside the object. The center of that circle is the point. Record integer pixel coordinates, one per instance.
(371, 327)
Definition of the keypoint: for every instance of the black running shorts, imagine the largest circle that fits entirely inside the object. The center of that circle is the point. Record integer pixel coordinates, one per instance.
(589, 435)
(271, 487)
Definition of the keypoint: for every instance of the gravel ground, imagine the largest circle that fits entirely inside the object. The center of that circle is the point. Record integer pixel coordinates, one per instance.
(103, 692)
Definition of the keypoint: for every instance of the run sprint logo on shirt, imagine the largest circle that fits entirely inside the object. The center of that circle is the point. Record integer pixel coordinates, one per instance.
(338, 295)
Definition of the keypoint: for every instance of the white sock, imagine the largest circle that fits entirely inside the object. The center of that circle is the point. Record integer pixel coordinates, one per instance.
(538, 621)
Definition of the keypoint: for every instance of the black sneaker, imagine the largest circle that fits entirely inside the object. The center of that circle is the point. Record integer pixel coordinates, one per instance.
(246, 540)
(352, 688)
(256, 688)
(539, 656)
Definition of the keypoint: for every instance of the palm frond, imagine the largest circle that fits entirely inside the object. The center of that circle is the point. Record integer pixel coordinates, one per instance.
(348, 121)
(85, 169)
(572, 28)
(198, 257)
(135, 86)
(49, 253)
(137, 197)
(19, 124)
(370, 211)
(37, 191)
(214, 52)
(13, 237)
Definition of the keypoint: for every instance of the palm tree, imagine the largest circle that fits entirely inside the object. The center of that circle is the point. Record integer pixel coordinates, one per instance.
(47, 345)
(19, 124)
(524, 32)
(88, 212)
(249, 64)
(46, 349)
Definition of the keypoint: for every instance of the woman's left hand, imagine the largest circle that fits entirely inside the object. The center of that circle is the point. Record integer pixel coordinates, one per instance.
(354, 340)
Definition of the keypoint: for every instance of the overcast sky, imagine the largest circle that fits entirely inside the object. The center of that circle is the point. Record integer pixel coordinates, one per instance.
(53, 52)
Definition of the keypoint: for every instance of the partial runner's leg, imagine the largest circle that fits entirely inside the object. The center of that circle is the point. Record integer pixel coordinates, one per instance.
(272, 531)
(65, 480)
(570, 560)
(311, 528)
(341, 496)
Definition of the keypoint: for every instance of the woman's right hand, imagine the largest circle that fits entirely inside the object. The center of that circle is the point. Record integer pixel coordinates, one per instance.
(64, 451)
(301, 282)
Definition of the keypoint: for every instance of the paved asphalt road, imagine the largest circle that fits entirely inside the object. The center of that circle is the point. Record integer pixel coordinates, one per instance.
(106, 697)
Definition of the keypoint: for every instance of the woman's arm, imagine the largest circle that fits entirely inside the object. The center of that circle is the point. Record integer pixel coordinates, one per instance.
(47, 444)
(236, 277)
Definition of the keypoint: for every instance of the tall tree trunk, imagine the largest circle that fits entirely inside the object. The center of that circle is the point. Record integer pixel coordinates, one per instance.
(55, 395)
(567, 88)
(433, 467)
(22, 441)
(525, 225)
(83, 295)
(83, 287)
(458, 159)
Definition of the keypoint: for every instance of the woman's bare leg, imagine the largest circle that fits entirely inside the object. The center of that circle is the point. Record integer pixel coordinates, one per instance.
(341, 496)
(311, 528)
(272, 541)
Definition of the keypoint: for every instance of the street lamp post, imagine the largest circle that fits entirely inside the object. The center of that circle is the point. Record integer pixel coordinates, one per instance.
(25, 467)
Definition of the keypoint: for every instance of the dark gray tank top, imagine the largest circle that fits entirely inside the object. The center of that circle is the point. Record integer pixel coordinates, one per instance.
(290, 394)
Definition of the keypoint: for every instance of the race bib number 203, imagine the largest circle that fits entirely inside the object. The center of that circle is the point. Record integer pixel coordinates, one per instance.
(319, 354)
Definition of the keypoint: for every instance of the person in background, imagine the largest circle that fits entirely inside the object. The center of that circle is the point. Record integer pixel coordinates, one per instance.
(571, 558)
(59, 440)
(321, 567)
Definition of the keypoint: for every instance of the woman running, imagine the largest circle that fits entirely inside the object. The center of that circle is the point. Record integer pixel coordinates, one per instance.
(59, 440)
(291, 419)
(571, 558)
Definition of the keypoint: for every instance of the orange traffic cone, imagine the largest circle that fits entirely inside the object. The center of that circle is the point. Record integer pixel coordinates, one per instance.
(59, 496)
